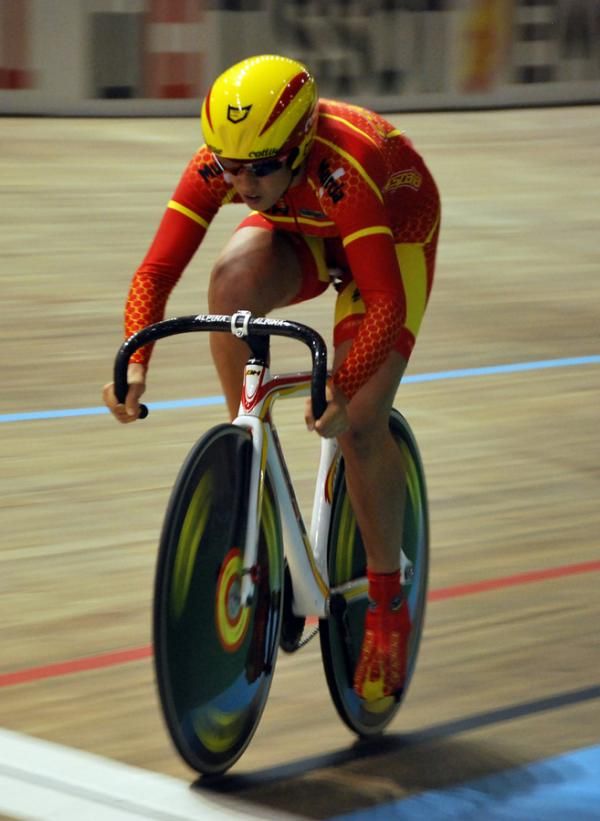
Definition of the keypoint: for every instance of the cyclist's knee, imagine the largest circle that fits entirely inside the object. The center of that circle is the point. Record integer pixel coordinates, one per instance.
(255, 277)
(229, 287)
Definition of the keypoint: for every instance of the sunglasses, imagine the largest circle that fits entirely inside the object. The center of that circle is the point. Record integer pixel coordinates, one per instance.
(262, 168)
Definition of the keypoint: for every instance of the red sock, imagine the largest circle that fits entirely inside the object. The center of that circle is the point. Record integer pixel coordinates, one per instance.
(384, 588)
(381, 668)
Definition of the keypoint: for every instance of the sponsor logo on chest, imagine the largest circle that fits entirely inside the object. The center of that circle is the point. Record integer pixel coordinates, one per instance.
(330, 182)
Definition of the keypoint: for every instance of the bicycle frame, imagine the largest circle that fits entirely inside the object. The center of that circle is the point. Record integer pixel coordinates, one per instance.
(306, 557)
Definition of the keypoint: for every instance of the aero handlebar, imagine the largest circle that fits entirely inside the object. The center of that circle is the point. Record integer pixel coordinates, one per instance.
(241, 324)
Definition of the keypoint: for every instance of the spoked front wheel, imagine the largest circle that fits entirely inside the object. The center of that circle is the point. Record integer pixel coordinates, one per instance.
(342, 633)
(214, 653)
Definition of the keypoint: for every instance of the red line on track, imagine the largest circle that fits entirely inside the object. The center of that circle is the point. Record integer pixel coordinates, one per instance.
(512, 581)
(117, 657)
(64, 668)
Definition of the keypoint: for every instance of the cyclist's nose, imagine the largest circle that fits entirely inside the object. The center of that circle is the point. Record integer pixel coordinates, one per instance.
(247, 183)
(245, 180)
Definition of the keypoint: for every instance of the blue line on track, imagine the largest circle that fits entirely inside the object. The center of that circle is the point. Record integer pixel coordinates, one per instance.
(514, 367)
(556, 789)
(203, 401)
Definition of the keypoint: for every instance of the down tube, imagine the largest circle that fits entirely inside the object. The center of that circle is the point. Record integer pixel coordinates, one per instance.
(311, 590)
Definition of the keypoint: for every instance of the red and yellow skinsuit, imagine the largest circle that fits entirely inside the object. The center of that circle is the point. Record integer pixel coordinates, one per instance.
(365, 205)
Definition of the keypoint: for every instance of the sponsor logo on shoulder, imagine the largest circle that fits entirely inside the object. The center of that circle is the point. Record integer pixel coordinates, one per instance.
(210, 171)
(409, 178)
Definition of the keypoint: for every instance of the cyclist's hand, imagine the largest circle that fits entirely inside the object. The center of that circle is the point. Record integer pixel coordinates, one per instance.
(129, 412)
(335, 420)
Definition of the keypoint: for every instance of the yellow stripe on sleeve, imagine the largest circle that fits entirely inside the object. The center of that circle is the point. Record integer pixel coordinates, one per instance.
(348, 124)
(349, 158)
(176, 206)
(413, 268)
(367, 232)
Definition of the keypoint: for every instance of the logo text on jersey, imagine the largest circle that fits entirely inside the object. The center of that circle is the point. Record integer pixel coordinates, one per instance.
(330, 181)
(237, 114)
(408, 178)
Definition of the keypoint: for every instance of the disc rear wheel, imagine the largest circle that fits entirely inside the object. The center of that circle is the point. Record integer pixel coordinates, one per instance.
(342, 633)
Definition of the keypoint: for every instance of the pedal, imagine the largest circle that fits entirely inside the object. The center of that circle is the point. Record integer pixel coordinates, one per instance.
(338, 609)
(338, 606)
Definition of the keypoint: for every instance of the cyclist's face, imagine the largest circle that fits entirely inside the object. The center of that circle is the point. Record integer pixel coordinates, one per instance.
(259, 184)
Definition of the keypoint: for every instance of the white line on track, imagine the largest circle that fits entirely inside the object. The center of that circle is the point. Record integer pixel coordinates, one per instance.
(46, 781)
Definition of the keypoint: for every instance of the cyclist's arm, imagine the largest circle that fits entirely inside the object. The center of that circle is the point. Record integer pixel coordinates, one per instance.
(180, 232)
(357, 207)
(375, 269)
(175, 243)
(383, 295)
(196, 200)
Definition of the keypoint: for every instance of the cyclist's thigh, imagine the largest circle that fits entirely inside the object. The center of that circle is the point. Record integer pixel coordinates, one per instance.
(256, 269)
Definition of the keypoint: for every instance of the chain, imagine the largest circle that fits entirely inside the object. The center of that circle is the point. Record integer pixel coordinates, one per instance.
(304, 641)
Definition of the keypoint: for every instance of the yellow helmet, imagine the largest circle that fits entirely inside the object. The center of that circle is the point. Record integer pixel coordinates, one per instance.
(262, 107)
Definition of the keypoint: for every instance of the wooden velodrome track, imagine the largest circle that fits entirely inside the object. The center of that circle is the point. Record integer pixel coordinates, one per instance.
(507, 674)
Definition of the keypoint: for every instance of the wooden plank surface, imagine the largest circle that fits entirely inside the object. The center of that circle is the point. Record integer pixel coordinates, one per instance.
(505, 676)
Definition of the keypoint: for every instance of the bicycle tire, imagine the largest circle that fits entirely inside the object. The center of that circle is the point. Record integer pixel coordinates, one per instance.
(341, 634)
(214, 659)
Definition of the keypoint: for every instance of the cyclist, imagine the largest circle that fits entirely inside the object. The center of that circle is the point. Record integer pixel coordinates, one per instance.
(337, 195)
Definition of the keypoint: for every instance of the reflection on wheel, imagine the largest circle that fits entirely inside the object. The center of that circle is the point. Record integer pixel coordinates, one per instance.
(342, 633)
(215, 655)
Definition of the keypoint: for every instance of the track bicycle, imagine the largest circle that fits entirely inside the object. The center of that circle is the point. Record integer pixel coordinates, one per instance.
(237, 573)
